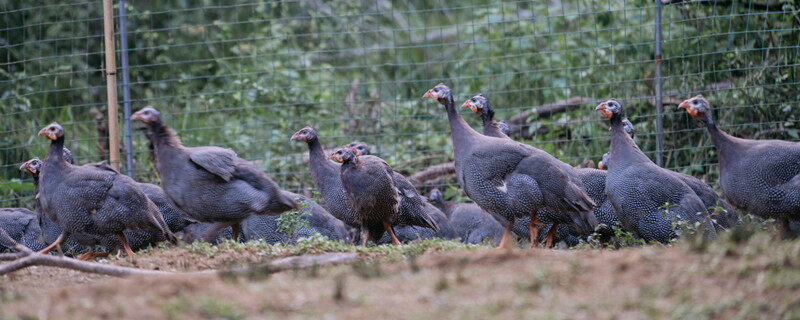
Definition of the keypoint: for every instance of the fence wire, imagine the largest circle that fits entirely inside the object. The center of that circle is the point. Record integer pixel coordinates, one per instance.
(247, 74)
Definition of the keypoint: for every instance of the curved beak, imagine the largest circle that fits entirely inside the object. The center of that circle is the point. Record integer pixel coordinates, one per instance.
(428, 94)
(334, 157)
(687, 105)
(24, 166)
(295, 136)
(137, 116)
(47, 134)
(466, 104)
(601, 107)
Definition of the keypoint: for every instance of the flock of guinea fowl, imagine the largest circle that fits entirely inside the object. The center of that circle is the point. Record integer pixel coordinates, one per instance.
(525, 188)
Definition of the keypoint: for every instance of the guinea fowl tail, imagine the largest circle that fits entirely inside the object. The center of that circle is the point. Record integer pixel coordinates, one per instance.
(582, 206)
(158, 220)
(282, 202)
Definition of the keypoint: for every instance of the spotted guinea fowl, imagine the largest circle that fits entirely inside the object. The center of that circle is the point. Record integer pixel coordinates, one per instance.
(22, 225)
(415, 211)
(326, 176)
(761, 177)
(211, 184)
(593, 181)
(513, 179)
(371, 191)
(92, 200)
(724, 218)
(639, 189)
(470, 223)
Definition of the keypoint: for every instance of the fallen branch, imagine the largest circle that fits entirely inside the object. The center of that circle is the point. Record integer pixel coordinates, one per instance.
(727, 3)
(432, 172)
(289, 263)
(520, 126)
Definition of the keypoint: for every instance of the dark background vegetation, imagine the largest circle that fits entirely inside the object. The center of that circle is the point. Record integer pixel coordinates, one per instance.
(246, 75)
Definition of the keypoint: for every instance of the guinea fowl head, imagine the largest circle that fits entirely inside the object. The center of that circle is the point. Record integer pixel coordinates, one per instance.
(361, 148)
(698, 107)
(148, 115)
(436, 196)
(440, 92)
(343, 154)
(53, 131)
(504, 128)
(480, 105)
(306, 134)
(609, 108)
(32, 166)
(603, 164)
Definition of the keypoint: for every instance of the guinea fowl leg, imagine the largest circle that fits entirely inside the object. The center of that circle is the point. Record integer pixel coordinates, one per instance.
(533, 228)
(550, 235)
(364, 237)
(125, 244)
(507, 242)
(388, 228)
(61, 238)
(85, 256)
(236, 228)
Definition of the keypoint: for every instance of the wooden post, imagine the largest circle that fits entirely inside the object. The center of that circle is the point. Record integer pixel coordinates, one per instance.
(111, 84)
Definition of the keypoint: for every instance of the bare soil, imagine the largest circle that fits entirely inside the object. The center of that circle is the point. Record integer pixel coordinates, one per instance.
(757, 279)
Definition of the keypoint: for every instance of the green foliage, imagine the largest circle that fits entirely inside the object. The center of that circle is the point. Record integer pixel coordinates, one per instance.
(245, 75)
(291, 222)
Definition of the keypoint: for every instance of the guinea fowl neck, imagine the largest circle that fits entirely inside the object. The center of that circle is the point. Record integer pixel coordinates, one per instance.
(460, 131)
(315, 153)
(624, 151)
(162, 137)
(55, 155)
(722, 141)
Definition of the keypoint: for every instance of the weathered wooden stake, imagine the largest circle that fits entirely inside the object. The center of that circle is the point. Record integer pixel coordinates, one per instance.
(111, 84)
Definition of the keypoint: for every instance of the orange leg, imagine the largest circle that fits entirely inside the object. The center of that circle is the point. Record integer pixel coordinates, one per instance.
(388, 228)
(98, 255)
(507, 241)
(550, 235)
(61, 238)
(533, 229)
(85, 256)
(125, 244)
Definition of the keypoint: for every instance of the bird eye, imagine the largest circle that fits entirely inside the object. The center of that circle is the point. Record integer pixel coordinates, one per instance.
(52, 129)
(473, 100)
(436, 89)
(694, 101)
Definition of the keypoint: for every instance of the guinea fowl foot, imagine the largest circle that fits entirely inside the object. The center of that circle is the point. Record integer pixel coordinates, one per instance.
(61, 238)
(388, 228)
(85, 256)
(533, 229)
(125, 245)
(507, 241)
(550, 235)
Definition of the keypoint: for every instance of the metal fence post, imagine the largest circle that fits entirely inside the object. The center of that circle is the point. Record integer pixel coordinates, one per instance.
(126, 90)
(111, 84)
(659, 106)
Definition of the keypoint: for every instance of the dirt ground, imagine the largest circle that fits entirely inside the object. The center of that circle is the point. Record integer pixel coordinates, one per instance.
(755, 279)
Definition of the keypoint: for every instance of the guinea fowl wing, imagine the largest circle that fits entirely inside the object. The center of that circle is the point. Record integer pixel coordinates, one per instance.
(363, 186)
(413, 209)
(219, 161)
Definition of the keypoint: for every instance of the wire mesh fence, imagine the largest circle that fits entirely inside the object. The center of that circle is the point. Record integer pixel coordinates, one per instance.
(247, 74)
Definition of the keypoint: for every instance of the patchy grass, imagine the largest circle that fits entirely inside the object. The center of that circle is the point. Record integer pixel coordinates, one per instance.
(746, 273)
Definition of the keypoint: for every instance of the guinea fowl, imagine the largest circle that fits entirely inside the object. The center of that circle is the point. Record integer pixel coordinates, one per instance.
(470, 223)
(22, 225)
(639, 189)
(92, 200)
(211, 184)
(724, 218)
(513, 179)
(326, 175)
(264, 227)
(371, 191)
(761, 177)
(593, 180)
